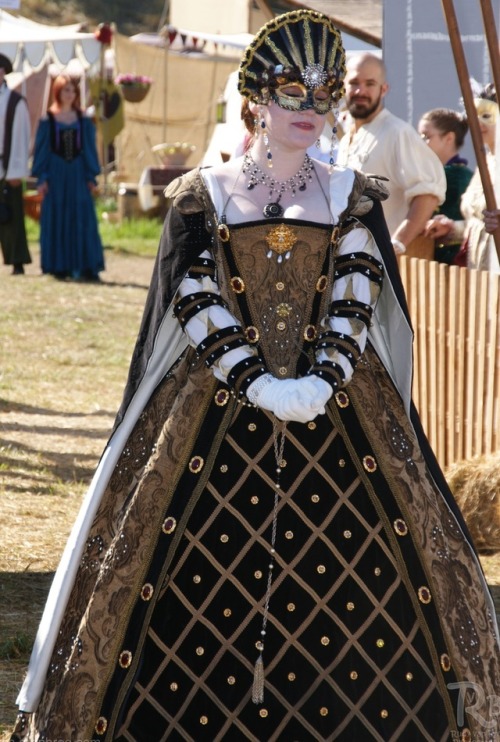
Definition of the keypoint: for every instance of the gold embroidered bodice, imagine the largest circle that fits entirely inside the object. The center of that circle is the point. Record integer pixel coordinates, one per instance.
(277, 280)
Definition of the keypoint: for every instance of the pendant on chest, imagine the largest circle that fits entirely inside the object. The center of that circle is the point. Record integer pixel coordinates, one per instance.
(281, 240)
(273, 210)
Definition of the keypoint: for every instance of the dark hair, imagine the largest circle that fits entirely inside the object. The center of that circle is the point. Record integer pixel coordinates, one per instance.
(445, 120)
(488, 93)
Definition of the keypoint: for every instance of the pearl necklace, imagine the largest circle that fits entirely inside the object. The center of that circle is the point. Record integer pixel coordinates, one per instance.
(297, 182)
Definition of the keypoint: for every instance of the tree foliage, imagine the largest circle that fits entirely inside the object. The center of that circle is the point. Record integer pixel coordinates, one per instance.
(129, 16)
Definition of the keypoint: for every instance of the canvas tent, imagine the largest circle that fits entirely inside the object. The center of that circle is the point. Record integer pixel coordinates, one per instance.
(35, 44)
(188, 78)
(33, 47)
(182, 100)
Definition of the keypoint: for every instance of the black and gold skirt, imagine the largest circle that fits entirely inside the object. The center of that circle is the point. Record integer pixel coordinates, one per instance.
(373, 613)
(353, 648)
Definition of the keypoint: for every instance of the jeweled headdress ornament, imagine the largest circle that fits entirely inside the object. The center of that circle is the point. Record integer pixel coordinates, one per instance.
(301, 47)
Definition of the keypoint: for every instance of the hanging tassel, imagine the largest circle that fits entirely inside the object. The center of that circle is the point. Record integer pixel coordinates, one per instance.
(258, 681)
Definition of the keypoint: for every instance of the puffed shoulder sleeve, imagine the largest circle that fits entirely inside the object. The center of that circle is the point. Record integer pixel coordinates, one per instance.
(419, 168)
(366, 189)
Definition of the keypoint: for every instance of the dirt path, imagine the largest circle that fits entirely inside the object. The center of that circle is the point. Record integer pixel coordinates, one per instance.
(65, 349)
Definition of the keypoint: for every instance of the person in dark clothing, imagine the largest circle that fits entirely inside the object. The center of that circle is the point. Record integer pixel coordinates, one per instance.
(15, 138)
(444, 130)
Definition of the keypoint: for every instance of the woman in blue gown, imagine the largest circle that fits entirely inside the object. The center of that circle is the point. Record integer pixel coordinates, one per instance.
(66, 165)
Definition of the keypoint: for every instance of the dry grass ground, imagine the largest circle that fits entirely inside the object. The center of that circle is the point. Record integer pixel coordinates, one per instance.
(65, 349)
(64, 355)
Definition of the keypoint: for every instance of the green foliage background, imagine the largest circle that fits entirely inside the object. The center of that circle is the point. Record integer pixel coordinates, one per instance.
(129, 16)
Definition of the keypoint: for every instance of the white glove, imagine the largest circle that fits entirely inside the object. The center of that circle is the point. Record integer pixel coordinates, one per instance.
(269, 393)
(305, 401)
(300, 400)
(323, 391)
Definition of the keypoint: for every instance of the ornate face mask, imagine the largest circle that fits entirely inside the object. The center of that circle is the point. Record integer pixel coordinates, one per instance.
(296, 97)
(487, 111)
(297, 60)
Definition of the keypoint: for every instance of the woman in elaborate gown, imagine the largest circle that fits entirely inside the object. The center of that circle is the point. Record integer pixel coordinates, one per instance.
(268, 550)
(66, 165)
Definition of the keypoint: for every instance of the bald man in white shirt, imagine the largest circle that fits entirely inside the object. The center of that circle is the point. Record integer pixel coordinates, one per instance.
(380, 143)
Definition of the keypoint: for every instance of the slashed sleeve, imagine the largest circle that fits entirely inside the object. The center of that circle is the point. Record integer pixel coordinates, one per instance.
(358, 277)
(212, 330)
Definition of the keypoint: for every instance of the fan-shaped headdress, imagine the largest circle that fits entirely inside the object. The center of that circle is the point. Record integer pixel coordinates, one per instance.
(302, 47)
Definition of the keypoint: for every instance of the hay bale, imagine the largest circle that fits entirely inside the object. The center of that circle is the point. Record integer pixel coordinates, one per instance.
(476, 487)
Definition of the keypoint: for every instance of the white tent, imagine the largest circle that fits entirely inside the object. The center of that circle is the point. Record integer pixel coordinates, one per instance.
(182, 40)
(36, 44)
(34, 48)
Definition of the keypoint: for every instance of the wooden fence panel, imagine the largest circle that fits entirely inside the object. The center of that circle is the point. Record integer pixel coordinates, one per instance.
(456, 385)
(460, 308)
(495, 363)
(490, 370)
(441, 338)
(468, 360)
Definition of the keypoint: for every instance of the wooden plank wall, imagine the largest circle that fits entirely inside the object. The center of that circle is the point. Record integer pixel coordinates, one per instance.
(456, 319)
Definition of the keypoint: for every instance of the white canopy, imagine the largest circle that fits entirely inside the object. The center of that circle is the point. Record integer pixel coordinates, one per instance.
(24, 40)
(180, 40)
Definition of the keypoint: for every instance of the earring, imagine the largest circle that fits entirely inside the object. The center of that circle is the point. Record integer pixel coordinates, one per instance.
(266, 141)
(318, 143)
(334, 140)
(333, 144)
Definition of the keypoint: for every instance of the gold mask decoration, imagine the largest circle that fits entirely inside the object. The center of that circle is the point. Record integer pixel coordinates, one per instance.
(487, 111)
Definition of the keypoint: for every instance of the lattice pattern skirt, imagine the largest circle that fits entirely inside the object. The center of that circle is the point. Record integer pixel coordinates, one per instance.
(346, 657)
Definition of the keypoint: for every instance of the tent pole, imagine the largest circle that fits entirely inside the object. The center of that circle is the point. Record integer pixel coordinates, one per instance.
(164, 15)
(212, 104)
(165, 91)
(102, 115)
(472, 118)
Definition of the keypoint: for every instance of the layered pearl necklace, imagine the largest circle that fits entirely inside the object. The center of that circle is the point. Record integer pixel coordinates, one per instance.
(297, 182)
